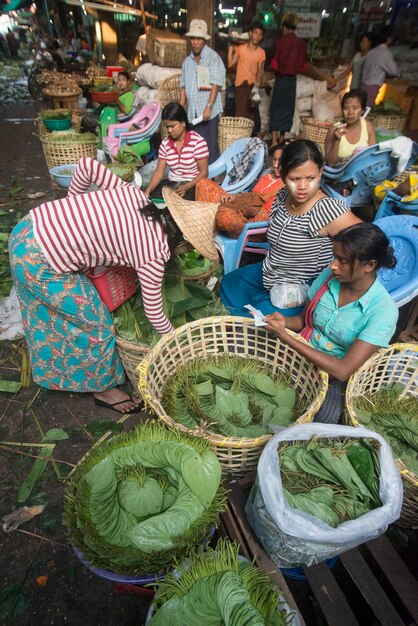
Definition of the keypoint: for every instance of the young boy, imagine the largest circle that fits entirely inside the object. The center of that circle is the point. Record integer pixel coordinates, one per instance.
(250, 59)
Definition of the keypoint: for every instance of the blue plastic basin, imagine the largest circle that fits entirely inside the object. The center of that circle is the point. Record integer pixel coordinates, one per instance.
(63, 179)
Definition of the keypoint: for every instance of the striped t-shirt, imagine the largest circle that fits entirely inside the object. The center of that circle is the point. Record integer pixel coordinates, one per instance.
(105, 228)
(298, 253)
(183, 164)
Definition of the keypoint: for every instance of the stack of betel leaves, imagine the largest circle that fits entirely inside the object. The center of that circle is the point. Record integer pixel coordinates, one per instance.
(142, 499)
(335, 480)
(192, 263)
(395, 417)
(216, 588)
(182, 303)
(233, 396)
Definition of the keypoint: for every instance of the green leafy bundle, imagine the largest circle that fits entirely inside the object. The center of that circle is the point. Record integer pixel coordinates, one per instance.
(192, 263)
(141, 499)
(127, 155)
(395, 417)
(125, 171)
(182, 303)
(234, 396)
(81, 138)
(334, 480)
(105, 88)
(216, 588)
(388, 108)
(55, 114)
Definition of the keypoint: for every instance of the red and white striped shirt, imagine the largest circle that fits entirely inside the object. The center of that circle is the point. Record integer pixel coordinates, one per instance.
(105, 228)
(183, 164)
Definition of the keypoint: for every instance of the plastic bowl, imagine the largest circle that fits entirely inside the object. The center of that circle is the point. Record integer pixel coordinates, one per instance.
(58, 124)
(104, 97)
(63, 179)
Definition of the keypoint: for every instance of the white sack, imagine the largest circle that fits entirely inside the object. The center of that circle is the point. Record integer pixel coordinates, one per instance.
(304, 104)
(304, 86)
(11, 326)
(326, 104)
(153, 75)
(292, 537)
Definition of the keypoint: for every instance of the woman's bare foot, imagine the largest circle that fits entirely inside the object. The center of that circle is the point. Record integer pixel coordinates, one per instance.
(117, 400)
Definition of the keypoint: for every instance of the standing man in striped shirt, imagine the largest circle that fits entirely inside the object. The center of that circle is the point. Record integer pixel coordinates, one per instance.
(202, 78)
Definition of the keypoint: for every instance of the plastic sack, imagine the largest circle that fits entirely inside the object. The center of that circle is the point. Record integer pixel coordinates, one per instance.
(11, 323)
(292, 537)
(325, 104)
(288, 295)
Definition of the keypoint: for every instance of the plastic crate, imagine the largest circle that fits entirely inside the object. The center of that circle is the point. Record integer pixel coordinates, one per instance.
(114, 284)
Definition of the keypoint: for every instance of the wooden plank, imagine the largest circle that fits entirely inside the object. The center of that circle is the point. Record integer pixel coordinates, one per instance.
(237, 502)
(397, 573)
(329, 596)
(370, 588)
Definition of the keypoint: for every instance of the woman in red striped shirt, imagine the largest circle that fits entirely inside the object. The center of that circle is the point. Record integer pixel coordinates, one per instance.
(69, 331)
(184, 152)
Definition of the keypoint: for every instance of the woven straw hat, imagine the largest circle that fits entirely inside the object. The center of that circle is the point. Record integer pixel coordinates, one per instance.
(196, 221)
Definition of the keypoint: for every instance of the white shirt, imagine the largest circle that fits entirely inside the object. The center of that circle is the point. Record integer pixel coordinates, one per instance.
(379, 63)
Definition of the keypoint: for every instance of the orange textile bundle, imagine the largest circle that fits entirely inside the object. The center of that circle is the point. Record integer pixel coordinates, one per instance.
(209, 191)
(232, 222)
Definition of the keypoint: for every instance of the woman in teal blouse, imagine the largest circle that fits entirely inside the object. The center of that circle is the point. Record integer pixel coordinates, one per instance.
(349, 314)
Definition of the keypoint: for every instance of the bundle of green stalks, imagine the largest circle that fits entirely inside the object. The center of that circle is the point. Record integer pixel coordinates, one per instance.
(335, 480)
(142, 499)
(233, 396)
(216, 588)
(55, 114)
(395, 417)
(72, 138)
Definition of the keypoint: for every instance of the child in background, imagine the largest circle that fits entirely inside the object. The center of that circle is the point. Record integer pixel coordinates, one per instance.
(249, 59)
(127, 96)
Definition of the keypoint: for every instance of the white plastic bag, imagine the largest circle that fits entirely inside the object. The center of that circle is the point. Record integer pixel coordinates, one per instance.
(288, 295)
(292, 537)
(11, 323)
(325, 104)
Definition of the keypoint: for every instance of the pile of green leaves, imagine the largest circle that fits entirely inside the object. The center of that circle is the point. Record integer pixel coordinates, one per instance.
(105, 88)
(192, 263)
(72, 138)
(236, 397)
(127, 155)
(55, 114)
(388, 108)
(141, 499)
(216, 588)
(124, 171)
(395, 417)
(334, 480)
(182, 303)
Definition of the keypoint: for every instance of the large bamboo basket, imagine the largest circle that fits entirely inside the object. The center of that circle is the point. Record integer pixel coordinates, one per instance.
(231, 129)
(389, 122)
(68, 151)
(234, 335)
(42, 131)
(397, 363)
(315, 130)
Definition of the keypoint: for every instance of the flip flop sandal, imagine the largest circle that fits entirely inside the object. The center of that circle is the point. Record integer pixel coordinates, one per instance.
(107, 405)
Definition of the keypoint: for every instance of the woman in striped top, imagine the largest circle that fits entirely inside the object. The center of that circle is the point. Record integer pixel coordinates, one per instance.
(69, 331)
(184, 152)
(303, 221)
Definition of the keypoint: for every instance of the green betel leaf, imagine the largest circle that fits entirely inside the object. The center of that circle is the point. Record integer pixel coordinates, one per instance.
(100, 427)
(38, 468)
(13, 602)
(141, 500)
(10, 386)
(55, 434)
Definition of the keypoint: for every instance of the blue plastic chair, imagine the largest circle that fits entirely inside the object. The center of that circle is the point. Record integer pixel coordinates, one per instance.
(364, 171)
(392, 205)
(401, 281)
(231, 249)
(228, 159)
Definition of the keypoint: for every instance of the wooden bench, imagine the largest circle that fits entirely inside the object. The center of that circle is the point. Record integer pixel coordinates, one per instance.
(368, 586)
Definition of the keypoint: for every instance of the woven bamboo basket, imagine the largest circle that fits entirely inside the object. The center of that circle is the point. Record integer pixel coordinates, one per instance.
(315, 130)
(234, 335)
(231, 129)
(166, 49)
(131, 354)
(68, 151)
(168, 91)
(390, 122)
(397, 363)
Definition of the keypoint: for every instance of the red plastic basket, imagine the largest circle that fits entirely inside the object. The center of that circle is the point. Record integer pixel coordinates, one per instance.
(114, 284)
(104, 97)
